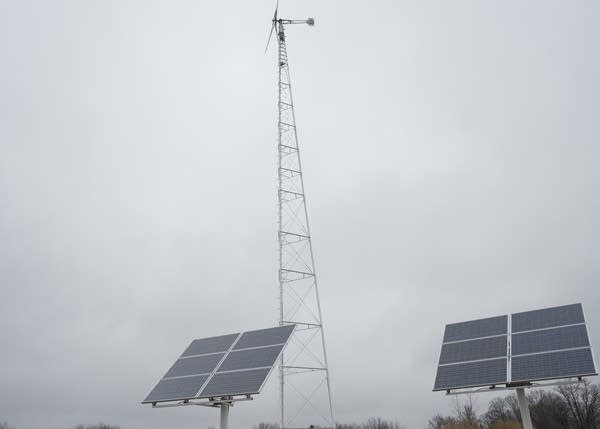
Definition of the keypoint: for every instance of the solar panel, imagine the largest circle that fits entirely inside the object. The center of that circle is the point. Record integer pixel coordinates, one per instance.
(195, 365)
(471, 374)
(567, 337)
(473, 350)
(474, 353)
(236, 364)
(547, 318)
(235, 383)
(210, 345)
(176, 389)
(551, 343)
(544, 366)
(476, 329)
(264, 337)
(251, 358)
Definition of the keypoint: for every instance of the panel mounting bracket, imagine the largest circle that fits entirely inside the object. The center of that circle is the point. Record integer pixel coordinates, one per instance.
(223, 403)
(210, 402)
(512, 386)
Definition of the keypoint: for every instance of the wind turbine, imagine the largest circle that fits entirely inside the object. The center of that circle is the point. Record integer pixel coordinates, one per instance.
(280, 22)
(305, 392)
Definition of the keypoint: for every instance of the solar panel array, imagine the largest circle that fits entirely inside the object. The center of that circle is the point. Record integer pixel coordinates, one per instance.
(550, 343)
(535, 345)
(473, 353)
(227, 365)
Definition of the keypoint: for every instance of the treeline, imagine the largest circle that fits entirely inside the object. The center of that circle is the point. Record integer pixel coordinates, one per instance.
(573, 406)
(4, 425)
(97, 426)
(372, 423)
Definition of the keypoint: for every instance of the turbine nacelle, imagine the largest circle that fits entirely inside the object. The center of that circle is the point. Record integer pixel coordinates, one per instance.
(278, 21)
(309, 21)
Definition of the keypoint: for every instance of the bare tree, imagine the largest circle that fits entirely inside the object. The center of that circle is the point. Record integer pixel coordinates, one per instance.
(440, 422)
(372, 423)
(267, 425)
(583, 403)
(379, 423)
(97, 426)
(513, 405)
(499, 411)
(466, 417)
(506, 425)
(548, 410)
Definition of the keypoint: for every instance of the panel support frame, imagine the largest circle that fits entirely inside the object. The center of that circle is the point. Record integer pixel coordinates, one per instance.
(523, 407)
(225, 415)
(224, 404)
(211, 403)
(455, 392)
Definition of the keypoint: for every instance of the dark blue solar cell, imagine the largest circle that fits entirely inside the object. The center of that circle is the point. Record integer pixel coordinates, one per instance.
(471, 374)
(195, 365)
(476, 329)
(235, 383)
(264, 337)
(210, 345)
(484, 348)
(567, 337)
(547, 318)
(174, 389)
(252, 358)
(545, 366)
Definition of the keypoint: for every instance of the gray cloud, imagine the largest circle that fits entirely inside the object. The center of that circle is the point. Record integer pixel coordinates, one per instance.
(450, 155)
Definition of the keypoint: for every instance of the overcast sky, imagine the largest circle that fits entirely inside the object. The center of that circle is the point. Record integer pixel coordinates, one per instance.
(450, 152)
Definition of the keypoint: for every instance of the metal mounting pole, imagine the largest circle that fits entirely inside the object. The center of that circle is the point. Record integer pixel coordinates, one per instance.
(224, 415)
(524, 408)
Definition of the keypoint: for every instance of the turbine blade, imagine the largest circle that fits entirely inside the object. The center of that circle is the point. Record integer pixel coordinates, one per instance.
(273, 25)
(269, 39)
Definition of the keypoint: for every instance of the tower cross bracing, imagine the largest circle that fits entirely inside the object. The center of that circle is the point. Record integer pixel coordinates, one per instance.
(305, 391)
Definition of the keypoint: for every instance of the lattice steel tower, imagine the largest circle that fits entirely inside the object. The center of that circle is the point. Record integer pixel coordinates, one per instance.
(305, 392)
